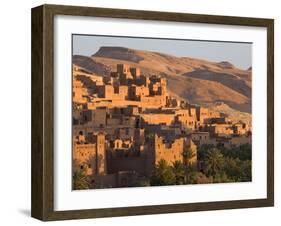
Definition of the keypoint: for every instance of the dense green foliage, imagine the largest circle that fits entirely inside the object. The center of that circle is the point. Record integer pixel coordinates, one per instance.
(163, 174)
(80, 180)
(215, 165)
(243, 152)
(178, 170)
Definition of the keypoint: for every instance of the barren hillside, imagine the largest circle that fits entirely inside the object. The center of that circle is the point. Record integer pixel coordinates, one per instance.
(198, 81)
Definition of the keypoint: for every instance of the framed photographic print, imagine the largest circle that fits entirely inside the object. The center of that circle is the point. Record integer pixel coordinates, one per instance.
(140, 112)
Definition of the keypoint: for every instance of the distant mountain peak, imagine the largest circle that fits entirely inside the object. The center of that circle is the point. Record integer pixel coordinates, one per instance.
(103, 49)
(225, 64)
(119, 53)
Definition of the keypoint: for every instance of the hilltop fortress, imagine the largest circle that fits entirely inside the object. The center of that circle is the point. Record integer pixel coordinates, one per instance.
(123, 124)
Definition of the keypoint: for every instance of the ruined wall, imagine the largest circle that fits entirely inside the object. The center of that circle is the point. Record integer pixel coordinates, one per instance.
(91, 158)
(84, 156)
(184, 117)
(150, 102)
(153, 101)
(170, 152)
(126, 133)
(130, 163)
(158, 118)
(136, 92)
(78, 92)
(96, 117)
(221, 129)
(236, 141)
(122, 93)
(240, 129)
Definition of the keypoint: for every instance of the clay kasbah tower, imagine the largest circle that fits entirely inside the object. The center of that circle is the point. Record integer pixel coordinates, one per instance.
(129, 131)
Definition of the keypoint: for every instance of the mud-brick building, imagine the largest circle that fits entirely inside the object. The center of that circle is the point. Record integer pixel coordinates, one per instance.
(90, 157)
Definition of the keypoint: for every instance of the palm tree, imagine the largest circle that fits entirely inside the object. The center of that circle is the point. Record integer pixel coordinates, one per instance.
(179, 172)
(188, 154)
(80, 180)
(162, 175)
(214, 162)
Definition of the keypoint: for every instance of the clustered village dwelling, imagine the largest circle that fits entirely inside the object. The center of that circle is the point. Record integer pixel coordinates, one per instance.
(124, 123)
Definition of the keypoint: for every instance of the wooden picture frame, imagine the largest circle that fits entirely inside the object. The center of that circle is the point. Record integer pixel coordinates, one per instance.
(43, 112)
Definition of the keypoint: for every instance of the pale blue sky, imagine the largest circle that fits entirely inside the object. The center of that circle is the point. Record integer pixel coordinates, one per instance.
(239, 54)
